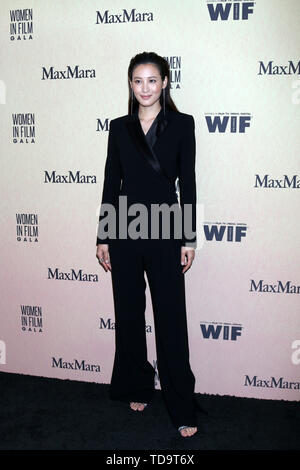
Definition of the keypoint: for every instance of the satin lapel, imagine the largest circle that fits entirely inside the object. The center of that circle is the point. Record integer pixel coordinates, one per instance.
(138, 136)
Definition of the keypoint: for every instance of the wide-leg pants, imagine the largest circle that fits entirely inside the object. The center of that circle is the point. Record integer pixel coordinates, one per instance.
(133, 375)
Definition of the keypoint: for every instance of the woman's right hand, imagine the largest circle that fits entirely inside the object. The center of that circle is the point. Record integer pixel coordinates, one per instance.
(103, 256)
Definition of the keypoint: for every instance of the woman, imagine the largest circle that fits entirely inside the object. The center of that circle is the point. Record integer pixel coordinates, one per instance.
(148, 149)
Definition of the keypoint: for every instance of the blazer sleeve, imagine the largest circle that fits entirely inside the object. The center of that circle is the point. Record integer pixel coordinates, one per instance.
(187, 182)
(112, 177)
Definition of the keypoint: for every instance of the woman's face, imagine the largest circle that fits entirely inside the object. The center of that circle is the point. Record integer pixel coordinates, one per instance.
(147, 84)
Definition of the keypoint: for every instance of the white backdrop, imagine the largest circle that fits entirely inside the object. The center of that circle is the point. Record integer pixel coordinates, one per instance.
(235, 68)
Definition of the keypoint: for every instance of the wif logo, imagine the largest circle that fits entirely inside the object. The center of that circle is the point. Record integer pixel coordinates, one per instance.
(225, 331)
(228, 232)
(234, 123)
(236, 10)
(2, 352)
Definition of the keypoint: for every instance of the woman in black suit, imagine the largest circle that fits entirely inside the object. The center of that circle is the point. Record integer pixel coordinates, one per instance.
(148, 150)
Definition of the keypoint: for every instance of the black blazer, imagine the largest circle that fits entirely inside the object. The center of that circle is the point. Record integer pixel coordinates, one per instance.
(145, 167)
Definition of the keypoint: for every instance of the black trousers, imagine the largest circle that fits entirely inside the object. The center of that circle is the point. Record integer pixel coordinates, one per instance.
(133, 375)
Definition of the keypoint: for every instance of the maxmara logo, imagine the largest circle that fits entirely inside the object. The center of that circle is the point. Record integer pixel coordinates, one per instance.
(70, 177)
(21, 24)
(272, 382)
(110, 325)
(222, 231)
(72, 275)
(276, 288)
(102, 125)
(235, 123)
(127, 16)
(217, 330)
(285, 182)
(67, 74)
(270, 69)
(75, 365)
(232, 9)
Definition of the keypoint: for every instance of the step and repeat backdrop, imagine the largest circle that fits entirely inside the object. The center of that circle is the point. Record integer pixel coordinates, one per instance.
(235, 67)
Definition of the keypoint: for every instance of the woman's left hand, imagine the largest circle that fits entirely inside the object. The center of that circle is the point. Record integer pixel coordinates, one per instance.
(187, 257)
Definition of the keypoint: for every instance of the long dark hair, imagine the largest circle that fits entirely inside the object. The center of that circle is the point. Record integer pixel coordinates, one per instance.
(164, 71)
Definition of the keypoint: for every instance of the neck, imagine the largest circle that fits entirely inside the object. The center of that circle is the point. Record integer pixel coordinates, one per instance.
(149, 112)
